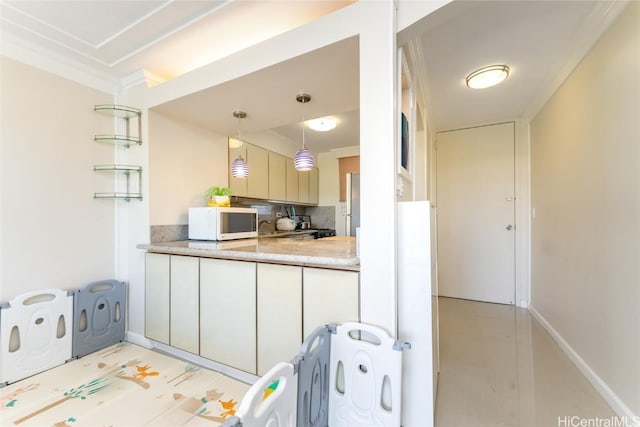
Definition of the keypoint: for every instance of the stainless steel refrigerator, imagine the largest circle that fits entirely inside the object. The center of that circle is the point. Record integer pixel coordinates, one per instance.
(352, 210)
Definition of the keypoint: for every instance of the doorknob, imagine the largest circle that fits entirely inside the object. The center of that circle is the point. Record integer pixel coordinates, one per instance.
(509, 227)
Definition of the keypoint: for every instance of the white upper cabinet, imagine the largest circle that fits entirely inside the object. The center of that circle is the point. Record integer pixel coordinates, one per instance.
(258, 179)
(277, 177)
(314, 186)
(303, 187)
(272, 176)
(292, 181)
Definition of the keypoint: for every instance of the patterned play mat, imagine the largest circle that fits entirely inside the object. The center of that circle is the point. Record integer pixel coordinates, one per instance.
(122, 385)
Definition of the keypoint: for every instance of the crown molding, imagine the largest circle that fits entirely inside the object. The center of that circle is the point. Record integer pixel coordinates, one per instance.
(140, 77)
(414, 49)
(50, 62)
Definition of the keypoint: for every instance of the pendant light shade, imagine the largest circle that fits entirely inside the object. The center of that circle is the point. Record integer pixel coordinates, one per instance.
(239, 167)
(303, 160)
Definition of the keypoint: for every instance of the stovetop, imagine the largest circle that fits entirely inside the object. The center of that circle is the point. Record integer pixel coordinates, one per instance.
(324, 232)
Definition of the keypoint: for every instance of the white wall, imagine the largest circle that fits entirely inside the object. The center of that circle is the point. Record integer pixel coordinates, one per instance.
(54, 234)
(585, 151)
(184, 161)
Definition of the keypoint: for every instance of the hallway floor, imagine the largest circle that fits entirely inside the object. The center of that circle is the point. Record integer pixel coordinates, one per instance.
(499, 367)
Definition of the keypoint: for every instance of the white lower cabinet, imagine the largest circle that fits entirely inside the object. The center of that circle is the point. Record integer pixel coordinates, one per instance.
(246, 315)
(228, 312)
(185, 289)
(279, 311)
(156, 297)
(329, 296)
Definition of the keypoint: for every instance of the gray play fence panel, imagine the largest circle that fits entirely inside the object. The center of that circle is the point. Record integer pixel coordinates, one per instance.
(313, 378)
(98, 316)
(312, 364)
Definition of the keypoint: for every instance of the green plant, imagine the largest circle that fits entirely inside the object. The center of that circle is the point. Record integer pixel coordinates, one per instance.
(218, 191)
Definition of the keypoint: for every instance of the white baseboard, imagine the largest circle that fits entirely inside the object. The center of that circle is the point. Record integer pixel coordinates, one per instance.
(601, 387)
(141, 340)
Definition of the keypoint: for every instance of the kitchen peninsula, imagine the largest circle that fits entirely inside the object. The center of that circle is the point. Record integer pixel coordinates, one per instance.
(332, 252)
(248, 303)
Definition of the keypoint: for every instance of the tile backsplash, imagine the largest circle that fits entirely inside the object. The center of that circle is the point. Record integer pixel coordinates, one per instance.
(169, 233)
(322, 216)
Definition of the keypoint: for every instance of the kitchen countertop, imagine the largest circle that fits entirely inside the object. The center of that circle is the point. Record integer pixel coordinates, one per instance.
(330, 252)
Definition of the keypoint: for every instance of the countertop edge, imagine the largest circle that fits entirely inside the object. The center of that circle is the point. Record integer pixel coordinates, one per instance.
(351, 264)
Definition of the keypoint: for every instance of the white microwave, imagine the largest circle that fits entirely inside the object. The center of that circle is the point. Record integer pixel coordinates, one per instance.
(222, 223)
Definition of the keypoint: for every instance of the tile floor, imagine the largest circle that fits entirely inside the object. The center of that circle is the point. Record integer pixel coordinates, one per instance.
(499, 367)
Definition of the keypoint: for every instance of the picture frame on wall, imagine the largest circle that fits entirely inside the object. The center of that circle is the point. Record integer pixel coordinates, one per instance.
(406, 108)
(404, 142)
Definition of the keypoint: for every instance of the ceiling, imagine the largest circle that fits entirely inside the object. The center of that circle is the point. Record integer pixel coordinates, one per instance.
(330, 75)
(167, 38)
(540, 40)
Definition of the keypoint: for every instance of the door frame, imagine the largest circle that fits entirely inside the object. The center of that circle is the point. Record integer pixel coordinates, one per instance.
(522, 209)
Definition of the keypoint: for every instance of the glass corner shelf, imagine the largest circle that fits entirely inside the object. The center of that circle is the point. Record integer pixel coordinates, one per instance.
(118, 168)
(118, 196)
(124, 140)
(120, 111)
(126, 170)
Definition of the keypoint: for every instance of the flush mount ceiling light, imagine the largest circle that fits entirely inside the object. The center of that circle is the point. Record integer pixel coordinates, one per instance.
(303, 160)
(487, 76)
(323, 124)
(239, 167)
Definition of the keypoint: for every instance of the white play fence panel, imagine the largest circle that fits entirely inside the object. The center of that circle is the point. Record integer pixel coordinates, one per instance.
(365, 378)
(35, 333)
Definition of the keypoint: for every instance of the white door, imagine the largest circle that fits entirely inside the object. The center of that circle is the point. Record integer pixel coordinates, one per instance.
(475, 201)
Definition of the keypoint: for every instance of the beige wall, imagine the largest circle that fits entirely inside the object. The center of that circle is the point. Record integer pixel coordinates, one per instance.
(54, 234)
(585, 150)
(184, 161)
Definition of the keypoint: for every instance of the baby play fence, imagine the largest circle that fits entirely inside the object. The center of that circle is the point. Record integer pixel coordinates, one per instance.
(43, 329)
(345, 375)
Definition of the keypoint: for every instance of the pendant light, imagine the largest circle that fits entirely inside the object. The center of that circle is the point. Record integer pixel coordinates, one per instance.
(303, 159)
(239, 167)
